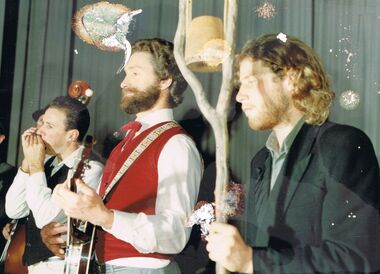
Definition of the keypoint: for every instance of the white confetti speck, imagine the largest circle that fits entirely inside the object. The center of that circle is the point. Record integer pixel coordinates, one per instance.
(282, 36)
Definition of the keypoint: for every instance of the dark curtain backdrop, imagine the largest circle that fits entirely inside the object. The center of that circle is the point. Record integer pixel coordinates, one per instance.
(49, 56)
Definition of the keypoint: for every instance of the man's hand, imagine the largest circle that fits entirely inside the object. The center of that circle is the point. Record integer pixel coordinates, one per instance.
(51, 237)
(226, 247)
(24, 136)
(86, 204)
(34, 151)
(7, 231)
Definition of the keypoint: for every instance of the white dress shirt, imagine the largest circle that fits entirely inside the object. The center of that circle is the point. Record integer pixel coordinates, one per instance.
(30, 192)
(179, 176)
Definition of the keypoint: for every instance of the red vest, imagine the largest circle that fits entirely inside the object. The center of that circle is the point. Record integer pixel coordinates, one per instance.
(135, 192)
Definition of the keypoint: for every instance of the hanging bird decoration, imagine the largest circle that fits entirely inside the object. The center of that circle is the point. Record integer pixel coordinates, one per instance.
(105, 26)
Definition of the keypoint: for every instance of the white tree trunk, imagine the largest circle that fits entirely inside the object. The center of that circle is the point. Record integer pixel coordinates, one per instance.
(217, 117)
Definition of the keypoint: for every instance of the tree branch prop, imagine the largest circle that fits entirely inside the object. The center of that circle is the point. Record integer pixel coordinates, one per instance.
(217, 117)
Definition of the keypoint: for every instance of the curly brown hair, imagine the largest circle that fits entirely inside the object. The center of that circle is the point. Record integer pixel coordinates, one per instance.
(312, 94)
(165, 65)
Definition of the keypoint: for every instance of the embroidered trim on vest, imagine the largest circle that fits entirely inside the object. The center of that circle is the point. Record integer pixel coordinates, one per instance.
(137, 152)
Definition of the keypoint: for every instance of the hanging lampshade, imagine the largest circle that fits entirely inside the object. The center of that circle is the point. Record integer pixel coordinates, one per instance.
(205, 48)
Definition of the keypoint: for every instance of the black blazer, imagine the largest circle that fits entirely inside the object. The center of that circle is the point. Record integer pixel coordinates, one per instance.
(322, 215)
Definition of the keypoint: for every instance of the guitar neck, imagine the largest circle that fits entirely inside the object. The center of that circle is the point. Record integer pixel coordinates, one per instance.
(3, 257)
(80, 234)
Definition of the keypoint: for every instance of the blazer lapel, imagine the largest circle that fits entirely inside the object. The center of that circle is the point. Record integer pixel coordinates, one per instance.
(298, 159)
(270, 205)
(262, 191)
(257, 199)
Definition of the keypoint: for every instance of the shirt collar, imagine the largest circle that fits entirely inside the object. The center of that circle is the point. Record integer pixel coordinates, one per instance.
(155, 117)
(272, 143)
(70, 160)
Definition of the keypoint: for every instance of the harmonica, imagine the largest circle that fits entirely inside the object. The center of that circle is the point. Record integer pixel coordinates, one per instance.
(35, 133)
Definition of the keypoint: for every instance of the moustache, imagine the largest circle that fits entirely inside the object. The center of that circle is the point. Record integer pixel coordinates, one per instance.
(130, 90)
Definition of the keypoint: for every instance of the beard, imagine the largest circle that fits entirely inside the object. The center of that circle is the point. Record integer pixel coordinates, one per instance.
(140, 100)
(275, 111)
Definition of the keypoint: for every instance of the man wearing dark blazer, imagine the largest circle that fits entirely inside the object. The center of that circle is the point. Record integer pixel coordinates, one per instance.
(313, 197)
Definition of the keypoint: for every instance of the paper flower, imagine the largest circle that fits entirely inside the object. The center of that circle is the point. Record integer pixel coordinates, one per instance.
(266, 10)
(232, 204)
(203, 215)
(349, 100)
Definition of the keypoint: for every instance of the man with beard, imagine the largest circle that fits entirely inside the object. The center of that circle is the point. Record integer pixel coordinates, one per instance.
(60, 133)
(313, 199)
(143, 216)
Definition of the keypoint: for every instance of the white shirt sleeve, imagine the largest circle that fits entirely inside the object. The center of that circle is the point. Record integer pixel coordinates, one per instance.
(15, 203)
(38, 195)
(179, 176)
(93, 174)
